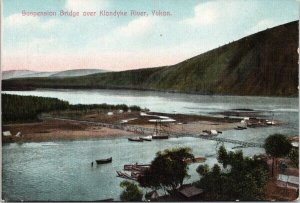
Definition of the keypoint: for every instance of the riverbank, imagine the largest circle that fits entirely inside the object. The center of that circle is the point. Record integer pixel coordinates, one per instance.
(51, 129)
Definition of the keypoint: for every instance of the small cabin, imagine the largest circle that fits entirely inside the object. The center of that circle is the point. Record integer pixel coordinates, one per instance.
(190, 192)
(291, 182)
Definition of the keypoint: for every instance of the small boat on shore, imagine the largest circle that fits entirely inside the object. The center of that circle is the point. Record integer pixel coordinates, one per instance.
(240, 128)
(160, 137)
(238, 147)
(146, 138)
(155, 136)
(104, 161)
(157, 132)
(135, 139)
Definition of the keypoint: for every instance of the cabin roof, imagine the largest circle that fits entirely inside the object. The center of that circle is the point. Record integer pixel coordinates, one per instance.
(190, 191)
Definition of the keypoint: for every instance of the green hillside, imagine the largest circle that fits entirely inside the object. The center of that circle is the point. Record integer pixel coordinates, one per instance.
(265, 63)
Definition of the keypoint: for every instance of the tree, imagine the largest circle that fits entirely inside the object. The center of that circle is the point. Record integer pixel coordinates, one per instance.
(202, 169)
(131, 192)
(222, 156)
(245, 181)
(167, 170)
(294, 157)
(277, 145)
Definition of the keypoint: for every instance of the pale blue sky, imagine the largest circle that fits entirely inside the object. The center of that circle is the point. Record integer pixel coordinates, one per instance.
(196, 26)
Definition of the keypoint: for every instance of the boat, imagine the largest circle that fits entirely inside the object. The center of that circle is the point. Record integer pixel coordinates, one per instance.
(135, 139)
(125, 176)
(238, 147)
(240, 128)
(155, 136)
(270, 122)
(130, 167)
(157, 133)
(146, 138)
(104, 161)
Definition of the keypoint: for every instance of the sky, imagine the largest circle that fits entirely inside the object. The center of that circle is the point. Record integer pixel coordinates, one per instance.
(55, 43)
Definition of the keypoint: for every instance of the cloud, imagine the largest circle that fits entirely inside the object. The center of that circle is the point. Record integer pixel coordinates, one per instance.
(84, 5)
(133, 33)
(218, 12)
(19, 21)
(137, 27)
(205, 14)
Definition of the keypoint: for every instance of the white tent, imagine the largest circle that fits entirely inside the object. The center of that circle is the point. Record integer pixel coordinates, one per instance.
(18, 134)
(213, 132)
(6, 133)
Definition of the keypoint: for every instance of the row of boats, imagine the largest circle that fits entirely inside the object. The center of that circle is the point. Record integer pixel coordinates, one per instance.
(147, 138)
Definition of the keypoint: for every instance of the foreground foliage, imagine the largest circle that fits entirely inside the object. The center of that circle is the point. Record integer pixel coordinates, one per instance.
(241, 179)
(167, 170)
(277, 145)
(131, 192)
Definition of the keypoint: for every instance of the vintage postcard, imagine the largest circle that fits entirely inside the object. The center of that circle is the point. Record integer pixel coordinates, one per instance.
(150, 100)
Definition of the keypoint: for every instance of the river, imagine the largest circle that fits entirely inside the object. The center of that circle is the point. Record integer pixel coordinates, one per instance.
(62, 171)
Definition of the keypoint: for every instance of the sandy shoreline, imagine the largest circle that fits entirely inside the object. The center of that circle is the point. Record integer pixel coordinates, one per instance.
(54, 130)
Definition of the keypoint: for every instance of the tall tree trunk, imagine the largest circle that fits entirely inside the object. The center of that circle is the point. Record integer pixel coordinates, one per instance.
(273, 166)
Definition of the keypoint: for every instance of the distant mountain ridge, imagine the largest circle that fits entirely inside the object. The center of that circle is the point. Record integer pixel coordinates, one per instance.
(35, 74)
(265, 63)
(77, 72)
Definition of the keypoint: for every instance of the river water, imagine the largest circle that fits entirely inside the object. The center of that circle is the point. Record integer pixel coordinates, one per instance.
(62, 171)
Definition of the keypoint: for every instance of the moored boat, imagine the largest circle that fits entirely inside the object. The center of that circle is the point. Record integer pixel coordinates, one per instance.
(146, 138)
(160, 137)
(240, 128)
(135, 139)
(157, 133)
(104, 161)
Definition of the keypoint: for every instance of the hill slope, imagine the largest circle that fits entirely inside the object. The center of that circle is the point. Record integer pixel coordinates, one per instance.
(36, 74)
(15, 73)
(77, 72)
(265, 63)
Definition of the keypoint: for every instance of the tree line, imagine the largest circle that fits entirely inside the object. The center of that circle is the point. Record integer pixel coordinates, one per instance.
(16, 108)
